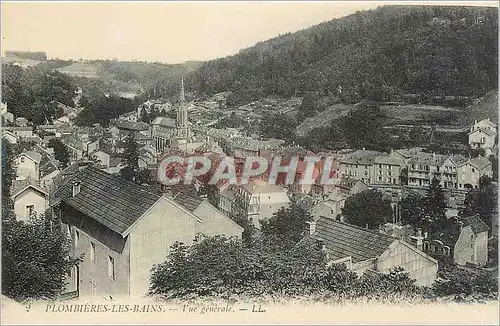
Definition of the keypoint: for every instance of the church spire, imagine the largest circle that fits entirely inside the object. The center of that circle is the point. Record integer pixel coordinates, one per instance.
(182, 97)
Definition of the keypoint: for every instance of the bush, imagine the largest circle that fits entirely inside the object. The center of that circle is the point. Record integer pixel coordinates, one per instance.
(218, 267)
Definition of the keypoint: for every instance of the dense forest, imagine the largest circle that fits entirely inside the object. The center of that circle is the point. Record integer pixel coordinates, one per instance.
(379, 54)
(33, 93)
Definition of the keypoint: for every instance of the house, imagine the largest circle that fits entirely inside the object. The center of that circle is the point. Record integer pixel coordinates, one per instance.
(359, 164)
(470, 171)
(20, 132)
(123, 229)
(162, 130)
(28, 165)
(129, 117)
(10, 137)
(363, 250)
(422, 167)
(350, 186)
(329, 208)
(406, 153)
(387, 169)
(472, 244)
(259, 200)
(47, 128)
(128, 126)
(21, 122)
(215, 222)
(242, 147)
(48, 172)
(483, 135)
(449, 176)
(29, 199)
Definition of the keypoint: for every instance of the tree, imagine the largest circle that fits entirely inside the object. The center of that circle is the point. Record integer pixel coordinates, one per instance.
(435, 205)
(278, 125)
(367, 208)
(287, 224)
(480, 202)
(60, 152)
(131, 156)
(35, 258)
(218, 267)
(8, 176)
(413, 211)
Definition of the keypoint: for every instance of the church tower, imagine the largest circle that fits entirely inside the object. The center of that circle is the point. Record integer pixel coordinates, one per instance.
(182, 116)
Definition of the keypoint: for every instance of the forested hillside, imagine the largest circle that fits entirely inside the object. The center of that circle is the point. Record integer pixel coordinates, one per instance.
(378, 54)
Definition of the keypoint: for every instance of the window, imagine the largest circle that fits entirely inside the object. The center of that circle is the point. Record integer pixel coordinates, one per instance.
(23, 159)
(389, 173)
(380, 166)
(473, 170)
(92, 252)
(379, 178)
(30, 210)
(111, 268)
(413, 166)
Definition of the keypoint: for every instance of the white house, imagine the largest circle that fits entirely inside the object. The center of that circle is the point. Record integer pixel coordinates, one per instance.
(483, 135)
(28, 165)
(469, 172)
(29, 200)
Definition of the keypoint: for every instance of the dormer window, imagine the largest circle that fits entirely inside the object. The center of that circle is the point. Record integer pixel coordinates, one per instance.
(23, 159)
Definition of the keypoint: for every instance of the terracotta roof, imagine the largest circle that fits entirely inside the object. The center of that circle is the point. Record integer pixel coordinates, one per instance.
(343, 240)
(109, 200)
(476, 224)
(187, 201)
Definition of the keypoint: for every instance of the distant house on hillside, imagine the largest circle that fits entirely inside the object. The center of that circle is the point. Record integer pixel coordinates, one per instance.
(483, 135)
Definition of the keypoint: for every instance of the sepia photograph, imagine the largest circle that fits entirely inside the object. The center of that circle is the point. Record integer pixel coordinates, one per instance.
(249, 162)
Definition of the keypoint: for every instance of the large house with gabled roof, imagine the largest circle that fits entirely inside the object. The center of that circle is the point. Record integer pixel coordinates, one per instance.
(363, 250)
(123, 229)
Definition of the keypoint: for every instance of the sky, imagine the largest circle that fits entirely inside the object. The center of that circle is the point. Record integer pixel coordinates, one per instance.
(169, 32)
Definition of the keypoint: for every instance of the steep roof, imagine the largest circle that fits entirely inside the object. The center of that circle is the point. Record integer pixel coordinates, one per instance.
(189, 202)
(37, 157)
(476, 224)
(343, 240)
(110, 200)
(489, 133)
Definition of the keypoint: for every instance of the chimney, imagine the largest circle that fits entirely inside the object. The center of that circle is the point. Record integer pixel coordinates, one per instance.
(76, 187)
(312, 227)
(321, 244)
